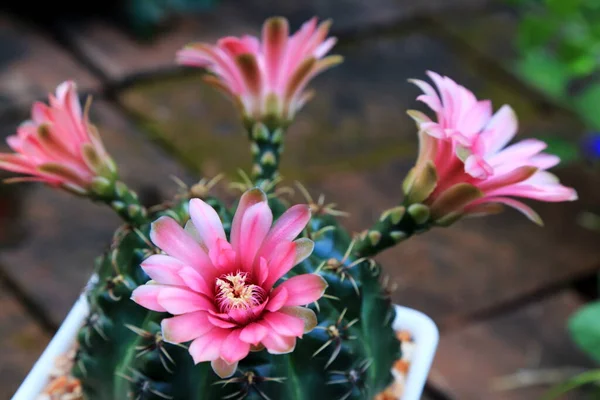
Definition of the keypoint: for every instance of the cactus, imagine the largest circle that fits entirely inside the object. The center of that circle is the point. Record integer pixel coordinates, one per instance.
(348, 356)
(237, 287)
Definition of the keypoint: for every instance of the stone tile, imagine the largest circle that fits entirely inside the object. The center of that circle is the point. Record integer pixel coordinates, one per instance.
(119, 56)
(32, 64)
(64, 233)
(354, 143)
(469, 359)
(21, 343)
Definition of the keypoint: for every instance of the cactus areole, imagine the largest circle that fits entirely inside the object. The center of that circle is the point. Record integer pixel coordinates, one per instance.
(197, 299)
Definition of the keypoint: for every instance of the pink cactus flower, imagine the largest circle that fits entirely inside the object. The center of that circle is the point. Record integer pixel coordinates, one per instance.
(222, 292)
(266, 79)
(58, 145)
(464, 166)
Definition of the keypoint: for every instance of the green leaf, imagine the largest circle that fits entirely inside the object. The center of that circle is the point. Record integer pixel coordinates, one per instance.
(584, 327)
(567, 150)
(545, 72)
(585, 378)
(535, 31)
(586, 105)
(563, 8)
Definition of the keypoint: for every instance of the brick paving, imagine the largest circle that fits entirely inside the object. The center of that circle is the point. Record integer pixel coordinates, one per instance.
(480, 280)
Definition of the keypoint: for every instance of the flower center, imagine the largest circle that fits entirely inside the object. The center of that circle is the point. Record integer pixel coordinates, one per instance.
(233, 292)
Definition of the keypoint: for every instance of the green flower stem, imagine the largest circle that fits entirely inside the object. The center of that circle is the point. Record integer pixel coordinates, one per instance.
(266, 147)
(122, 200)
(394, 226)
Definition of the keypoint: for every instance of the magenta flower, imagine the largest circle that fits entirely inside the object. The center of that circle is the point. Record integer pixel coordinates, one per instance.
(266, 79)
(58, 145)
(463, 165)
(222, 292)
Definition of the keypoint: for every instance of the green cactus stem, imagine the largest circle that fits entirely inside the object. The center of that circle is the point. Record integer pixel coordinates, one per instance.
(348, 356)
(120, 198)
(394, 226)
(266, 148)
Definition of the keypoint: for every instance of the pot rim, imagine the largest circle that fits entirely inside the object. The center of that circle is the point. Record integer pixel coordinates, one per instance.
(422, 328)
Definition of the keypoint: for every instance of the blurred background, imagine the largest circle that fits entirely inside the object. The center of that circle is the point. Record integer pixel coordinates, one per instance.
(502, 290)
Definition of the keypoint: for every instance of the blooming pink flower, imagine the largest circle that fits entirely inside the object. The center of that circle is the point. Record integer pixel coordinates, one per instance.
(58, 145)
(475, 171)
(266, 79)
(222, 292)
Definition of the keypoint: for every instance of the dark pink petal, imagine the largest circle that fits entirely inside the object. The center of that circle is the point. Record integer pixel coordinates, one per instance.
(278, 300)
(167, 234)
(177, 300)
(241, 316)
(234, 349)
(163, 269)
(207, 222)
(302, 289)
(281, 261)
(186, 327)
(277, 344)
(284, 324)
(519, 206)
(263, 271)
(253, 333)
(275, 35)
(223, 369)
(249, 198)
(219, 322)
(208, 346)
(147, 295)
(195, 281)
(287, 227)
(253, 230)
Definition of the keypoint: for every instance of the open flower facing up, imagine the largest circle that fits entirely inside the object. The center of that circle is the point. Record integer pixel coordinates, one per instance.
(58, 145)
(463, 165)
(222, 292)
(266, 79)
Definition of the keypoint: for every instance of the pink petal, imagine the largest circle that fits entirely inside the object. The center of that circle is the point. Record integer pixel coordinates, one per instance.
(287, 227)
(177, 300)
(234, 349)
(284, 324)
(302, 289)
(253, 230)
(477, 167)
(192, 279)
(275, 35)
(167, 234)
(517, 152)
(307, 315)
(253, 333)
(500, 130)
(163, 269)
(146, 296)
(277, 344)
(208, 346)
(519, 206)
(249, 198)
(513, 177)
(223, 369)
(263, 271)
(544, 161)
(278, 300)
(304, 248)
(244, 316)
(281, 261)
(207, 222)
(219, 322)
(186, 327)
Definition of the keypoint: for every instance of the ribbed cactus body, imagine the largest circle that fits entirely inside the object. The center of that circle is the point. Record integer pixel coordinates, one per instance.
(348, 356)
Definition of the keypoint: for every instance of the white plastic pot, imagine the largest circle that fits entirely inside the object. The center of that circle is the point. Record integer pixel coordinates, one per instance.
(422, 328)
